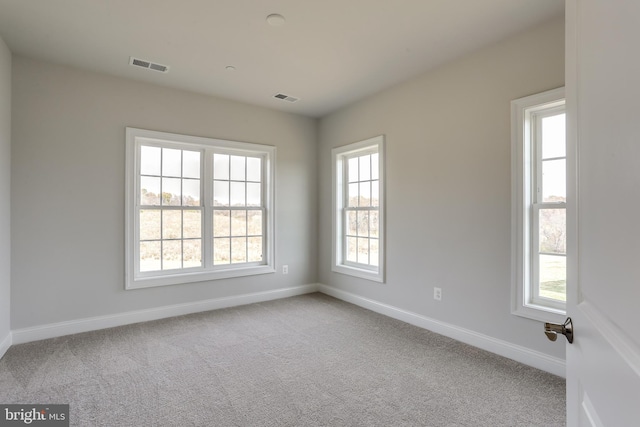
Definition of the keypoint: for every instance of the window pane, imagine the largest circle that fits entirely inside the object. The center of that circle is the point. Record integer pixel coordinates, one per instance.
(150, 224)
(192, 224)
(149, 191)
(554, 136)
(220, 166)
(221, 251)
(353, 169)
(553, 231)
(375, 193)
(237, 194)
(171, 254)
(365, 193)
(220, 193)
(254, 169)
(171, 224)
(192, 253)
(171, 162)
(254, 223)
(171, 192)
(363, 251)
(553, 277)
(191, 164)
(375, 172)
(365, 168)
(238, 223)
(255, 249)
(150, 256)
(149, 160)
(373, 254)
(191, 192)
(352, 223)
(238, 250)
(221, 223)
(352, 249)
(353, 195)
(253, 194)
(238, 168)
(363, 223)
(554, 181)
(373, 223)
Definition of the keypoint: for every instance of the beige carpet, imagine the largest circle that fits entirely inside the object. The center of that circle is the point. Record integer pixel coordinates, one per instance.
(304, 361)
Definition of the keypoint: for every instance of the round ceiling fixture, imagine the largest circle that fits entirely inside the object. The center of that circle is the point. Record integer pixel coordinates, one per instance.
(230, 68)
(276, 20)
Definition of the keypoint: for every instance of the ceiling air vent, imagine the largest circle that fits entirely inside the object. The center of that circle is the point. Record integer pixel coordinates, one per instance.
(286, 97)
(148, 65)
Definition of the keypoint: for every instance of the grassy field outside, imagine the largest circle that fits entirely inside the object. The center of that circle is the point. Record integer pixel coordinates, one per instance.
(553, 277)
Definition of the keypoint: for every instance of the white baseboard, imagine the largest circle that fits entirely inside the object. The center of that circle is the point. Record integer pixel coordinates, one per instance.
(503, 348)
(101, 322)
(5, 344)
(518, 353)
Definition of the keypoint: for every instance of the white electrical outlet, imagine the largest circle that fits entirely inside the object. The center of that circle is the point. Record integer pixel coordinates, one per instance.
(437, 294)
(285, 269)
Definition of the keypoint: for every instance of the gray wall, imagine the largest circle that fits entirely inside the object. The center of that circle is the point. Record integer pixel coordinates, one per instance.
(5, 190)
(68, 190)
(449, 184)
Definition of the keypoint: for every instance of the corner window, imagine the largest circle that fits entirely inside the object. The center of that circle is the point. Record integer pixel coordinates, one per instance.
(196, 209)
(539, 209)
(358, 220)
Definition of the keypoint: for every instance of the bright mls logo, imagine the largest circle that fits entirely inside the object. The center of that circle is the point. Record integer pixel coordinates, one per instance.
(34, 415)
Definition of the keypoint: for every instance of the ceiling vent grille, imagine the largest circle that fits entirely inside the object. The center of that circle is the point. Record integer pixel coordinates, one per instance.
(148, 65)
(286, 97)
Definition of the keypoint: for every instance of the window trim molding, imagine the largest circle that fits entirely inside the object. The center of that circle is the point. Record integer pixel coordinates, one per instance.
(338, 154)
(132, 278)
(520, 197)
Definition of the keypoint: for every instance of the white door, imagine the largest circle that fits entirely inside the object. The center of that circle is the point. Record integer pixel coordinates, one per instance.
(603, 106)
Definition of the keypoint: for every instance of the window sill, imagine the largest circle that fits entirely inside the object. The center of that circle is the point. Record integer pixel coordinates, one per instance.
(540, 313)
(199, 276)
(375, 276)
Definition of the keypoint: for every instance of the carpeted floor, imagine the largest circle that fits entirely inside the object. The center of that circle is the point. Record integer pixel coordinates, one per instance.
(310, 360)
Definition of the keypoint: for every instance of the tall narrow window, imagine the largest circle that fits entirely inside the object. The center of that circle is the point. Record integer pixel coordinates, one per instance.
(197, 209)
(540, 197)
(169, 211)
(238, 211)
(549, 209)
(358, 243)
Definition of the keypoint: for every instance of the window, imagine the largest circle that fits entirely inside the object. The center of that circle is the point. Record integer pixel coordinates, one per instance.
(358, 222)
(539, 210)
(197, 209)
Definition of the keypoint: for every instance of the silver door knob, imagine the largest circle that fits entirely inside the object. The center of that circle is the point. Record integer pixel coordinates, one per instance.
(551, 330)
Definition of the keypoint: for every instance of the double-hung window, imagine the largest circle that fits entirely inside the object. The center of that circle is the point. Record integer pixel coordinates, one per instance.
(358, 201)
(196, 209)
(539, 209)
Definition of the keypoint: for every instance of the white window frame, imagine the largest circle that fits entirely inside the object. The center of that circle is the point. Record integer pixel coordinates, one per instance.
(340, 156)
(208, 146)
(525, 156)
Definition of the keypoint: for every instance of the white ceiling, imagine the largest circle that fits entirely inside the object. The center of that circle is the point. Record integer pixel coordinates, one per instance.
(329, 53)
